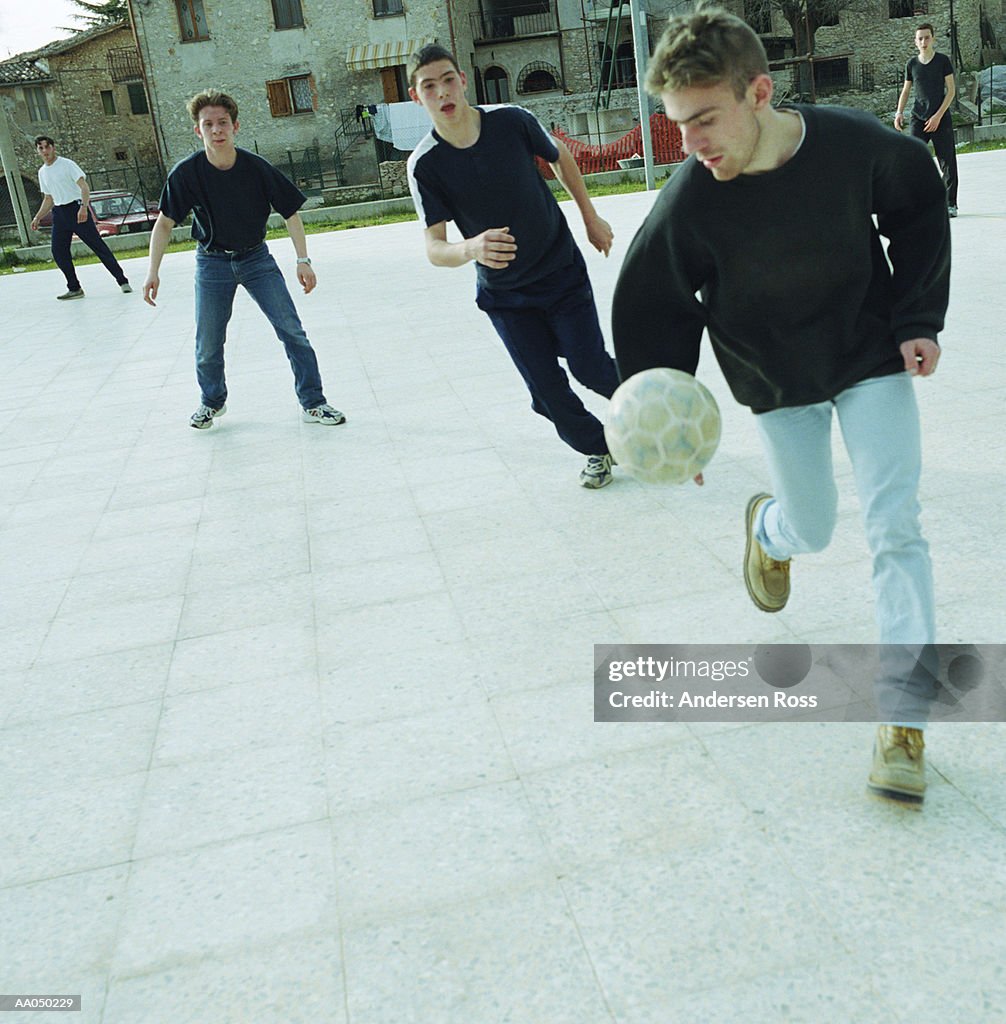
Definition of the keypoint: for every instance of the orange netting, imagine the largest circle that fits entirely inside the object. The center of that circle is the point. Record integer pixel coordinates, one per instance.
(665, 136)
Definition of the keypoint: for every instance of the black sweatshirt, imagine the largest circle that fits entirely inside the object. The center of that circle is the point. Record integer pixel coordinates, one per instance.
(798, 297)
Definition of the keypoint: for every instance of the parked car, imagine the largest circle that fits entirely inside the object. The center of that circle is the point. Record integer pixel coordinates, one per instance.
(117, 212)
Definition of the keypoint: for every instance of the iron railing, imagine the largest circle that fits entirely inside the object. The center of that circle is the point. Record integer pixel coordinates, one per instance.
(514, 23)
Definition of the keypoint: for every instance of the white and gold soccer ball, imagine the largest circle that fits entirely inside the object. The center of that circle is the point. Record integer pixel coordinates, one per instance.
(662, 426)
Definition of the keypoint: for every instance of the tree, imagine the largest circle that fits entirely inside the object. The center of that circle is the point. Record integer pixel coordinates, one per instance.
(100, 13)
(804, 18)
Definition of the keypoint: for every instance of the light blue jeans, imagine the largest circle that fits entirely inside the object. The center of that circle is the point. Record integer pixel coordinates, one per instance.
(879, 420)
(217, 278)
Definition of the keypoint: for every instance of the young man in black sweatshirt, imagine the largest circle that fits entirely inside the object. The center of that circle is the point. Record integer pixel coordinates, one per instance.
(770, 221)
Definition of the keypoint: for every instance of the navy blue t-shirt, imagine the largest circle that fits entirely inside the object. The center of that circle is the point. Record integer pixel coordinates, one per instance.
(929, 84)
(230, 209)
(494, 184)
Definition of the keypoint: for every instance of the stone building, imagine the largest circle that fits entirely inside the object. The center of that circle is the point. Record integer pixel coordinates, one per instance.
(86, 92)
(301, 70)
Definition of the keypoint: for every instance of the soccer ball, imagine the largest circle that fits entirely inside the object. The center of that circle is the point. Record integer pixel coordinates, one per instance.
(662, 426)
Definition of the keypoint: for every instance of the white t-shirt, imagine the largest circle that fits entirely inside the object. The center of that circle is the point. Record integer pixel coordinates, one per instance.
(59, 180)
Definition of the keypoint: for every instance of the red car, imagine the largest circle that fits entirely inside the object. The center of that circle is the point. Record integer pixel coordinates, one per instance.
(117, 212)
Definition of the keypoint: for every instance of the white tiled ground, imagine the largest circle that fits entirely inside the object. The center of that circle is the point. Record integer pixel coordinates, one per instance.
(296, 722)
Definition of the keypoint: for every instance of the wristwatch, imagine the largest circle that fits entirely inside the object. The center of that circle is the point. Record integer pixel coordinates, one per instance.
(304, 259)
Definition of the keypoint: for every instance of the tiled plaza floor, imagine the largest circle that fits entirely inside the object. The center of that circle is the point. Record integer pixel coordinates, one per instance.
(296, 722)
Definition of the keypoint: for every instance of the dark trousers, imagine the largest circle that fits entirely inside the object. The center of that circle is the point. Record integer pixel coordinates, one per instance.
(552, 319)
(64, 227)
(946, 154)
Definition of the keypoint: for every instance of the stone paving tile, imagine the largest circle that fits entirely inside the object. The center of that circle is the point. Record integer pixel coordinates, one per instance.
(448, 965)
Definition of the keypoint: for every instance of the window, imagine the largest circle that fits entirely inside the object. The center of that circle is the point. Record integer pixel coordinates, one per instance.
(291, 95)
(497, 86)
(777, 49)
(538, 77)
(137, 98)
(38, 106)
(395, 84)
(619, 71)
(625, 65)
(192, 18)
(121, 154)
(108, 102)
(287, 14)
(831, 74)
(382, 8)
(900, 8)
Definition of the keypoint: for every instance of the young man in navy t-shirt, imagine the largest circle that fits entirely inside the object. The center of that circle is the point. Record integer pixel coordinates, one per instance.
(932, 75)
(230, 194)
(477, 168)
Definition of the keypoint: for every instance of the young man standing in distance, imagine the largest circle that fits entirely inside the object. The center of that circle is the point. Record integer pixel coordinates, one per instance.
(932, 74)
(770, 221)
(230, 193)
(477, 169)
(65, 192)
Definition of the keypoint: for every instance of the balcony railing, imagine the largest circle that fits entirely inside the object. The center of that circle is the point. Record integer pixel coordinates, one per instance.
(514, 23)
(124, 64)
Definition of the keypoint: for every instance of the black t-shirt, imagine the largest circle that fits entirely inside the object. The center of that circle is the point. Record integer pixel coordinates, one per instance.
(496, 184)
(928, 84)
(230, 209)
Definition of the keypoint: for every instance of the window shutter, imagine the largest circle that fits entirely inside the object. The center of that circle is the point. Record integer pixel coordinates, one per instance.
(279, 98)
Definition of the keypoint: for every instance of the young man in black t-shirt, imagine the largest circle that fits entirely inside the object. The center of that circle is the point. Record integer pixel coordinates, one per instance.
(932, 75)
(477, 168)
(230, 193)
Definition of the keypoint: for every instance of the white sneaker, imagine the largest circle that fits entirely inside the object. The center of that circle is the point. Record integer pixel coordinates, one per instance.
(597, 472)
(126, 287)
(324, 414)
(202, 418)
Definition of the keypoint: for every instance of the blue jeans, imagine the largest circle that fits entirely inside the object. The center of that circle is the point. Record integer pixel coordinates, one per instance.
(879, 420)
(217, 278)
(554, 318)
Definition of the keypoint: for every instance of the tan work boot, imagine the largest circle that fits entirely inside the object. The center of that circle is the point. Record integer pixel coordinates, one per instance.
(899, 764)
(767, 580)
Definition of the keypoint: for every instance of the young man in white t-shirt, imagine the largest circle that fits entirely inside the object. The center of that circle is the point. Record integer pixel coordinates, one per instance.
(65, 191)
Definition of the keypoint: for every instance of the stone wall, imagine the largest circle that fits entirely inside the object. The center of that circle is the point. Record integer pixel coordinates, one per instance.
(576, 115)
(394, 178)
(580, 64)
